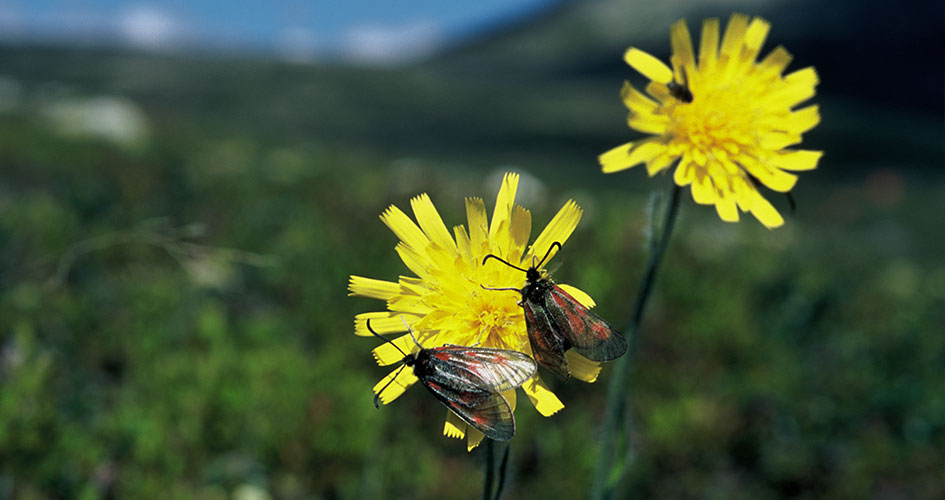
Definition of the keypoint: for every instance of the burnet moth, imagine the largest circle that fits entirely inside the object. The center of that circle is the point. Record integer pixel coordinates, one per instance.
(469, 381)
(557, 322)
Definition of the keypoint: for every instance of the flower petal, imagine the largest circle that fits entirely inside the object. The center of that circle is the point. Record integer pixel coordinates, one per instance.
(558, 230)
(372, 288)
(649, 123)
(520, 229)
(454, 426)
(404, 228)
(797, 160)
(431, 222)
(648, 66)
(473, 438)
(709, 45)
(765, 212)
(503, 204)
(802, 120)
(382, 322)
(615, 160)
(734, 35)
(542, 398)
(774, 178)
(582, 368)
(755, 37)
(681, 42)
(387, 354)
(579, 295)
(635, 100)
(478, 223)
(725, 206)
(402, 377)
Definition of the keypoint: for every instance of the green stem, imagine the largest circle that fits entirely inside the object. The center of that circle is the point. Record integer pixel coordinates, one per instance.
(616, 392)
(489, 473)
(503, 465)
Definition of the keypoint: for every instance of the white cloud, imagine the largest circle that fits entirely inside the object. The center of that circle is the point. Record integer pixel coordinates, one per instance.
(391, 44)
(149, 26)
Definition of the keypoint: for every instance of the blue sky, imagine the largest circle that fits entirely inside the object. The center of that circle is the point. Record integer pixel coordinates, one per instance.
(360, 29)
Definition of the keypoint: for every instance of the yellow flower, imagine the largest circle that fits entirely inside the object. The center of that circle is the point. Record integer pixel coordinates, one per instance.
(734, 130)
(445, 303)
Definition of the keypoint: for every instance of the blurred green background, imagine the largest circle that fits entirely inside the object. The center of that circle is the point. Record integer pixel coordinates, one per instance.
(177, 231)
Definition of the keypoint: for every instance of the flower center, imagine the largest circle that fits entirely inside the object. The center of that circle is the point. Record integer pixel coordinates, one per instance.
(494, 319)
(719, 123)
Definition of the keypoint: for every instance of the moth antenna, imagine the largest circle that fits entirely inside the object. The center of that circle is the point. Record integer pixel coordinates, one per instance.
(791, 202)
(385, 339)
(550, 248)
(484, 287)
(409, 331)
(500, 259)
(377, 395)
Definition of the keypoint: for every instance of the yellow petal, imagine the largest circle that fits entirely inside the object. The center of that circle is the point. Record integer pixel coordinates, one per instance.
(649, 66)
(542, 398)
(473, 438)
(797, 160)
(387, 354)
(615, 159)
(802, 120)
(431, 223)
(503, 204)
(509, 396)
(660, 163)
(681, 42)
(775, 62)
(404, 228)
(415, 261)
(454, 426)
(649, 123)
(765, 212)
(709, 45)
(685, 173)
(478, 223)
(582, 368)
(578, 295)
(558, 230)
(372, 288)
(382, 322)
(403, 378)
(725, 206)
(703, 192)
(755, 37)
(462, 243)
(796, 88)
(734, 35)
(774, 178)
(779, 140)
(635, 100)
(642, 152)
(520, 229)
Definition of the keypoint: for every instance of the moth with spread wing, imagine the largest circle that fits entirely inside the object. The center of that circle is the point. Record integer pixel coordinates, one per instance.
(556, 322)
(469, 381)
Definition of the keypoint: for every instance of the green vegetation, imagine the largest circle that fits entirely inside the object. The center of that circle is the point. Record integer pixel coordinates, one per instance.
(174, 319)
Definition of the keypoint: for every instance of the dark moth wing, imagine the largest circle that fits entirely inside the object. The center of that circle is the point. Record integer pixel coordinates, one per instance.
(466, 396)
(548, 345)
(588, 333)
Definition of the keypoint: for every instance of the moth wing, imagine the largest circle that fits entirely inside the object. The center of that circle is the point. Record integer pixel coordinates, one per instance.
(488, 412)
(495, 370)
(548, 346)
(590, 335)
